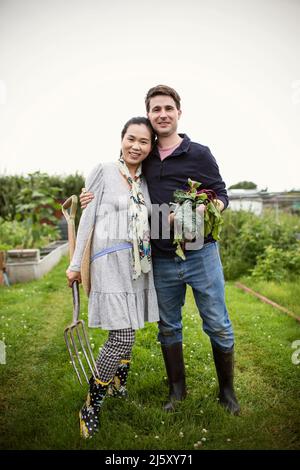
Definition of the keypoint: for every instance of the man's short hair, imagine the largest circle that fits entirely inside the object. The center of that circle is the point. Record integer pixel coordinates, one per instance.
(162, 90)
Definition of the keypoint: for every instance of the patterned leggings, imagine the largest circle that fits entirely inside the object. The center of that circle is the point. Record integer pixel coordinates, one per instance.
(118, 346)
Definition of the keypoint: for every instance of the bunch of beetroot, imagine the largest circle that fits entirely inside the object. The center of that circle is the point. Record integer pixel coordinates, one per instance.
(186, 202)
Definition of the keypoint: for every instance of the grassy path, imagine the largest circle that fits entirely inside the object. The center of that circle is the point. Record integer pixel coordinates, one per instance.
(40, 397)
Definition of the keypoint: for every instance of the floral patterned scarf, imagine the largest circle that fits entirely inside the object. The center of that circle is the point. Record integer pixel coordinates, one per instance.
(139, 230)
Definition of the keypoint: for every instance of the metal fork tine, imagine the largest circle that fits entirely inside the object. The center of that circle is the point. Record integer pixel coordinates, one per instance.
(87, 342)
(71, 354)
(77, 352)
(84, 350)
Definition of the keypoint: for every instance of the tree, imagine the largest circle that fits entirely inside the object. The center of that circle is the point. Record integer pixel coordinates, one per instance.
(244, 185)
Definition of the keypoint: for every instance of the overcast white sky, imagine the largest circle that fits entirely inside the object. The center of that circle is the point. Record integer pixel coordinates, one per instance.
(72, 73)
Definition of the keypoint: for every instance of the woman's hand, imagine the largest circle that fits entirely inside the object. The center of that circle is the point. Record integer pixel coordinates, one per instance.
(85, 198)
(73, 276)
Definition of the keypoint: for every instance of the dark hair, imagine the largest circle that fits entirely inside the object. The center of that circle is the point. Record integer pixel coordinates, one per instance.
(139, 120)
(162, 90)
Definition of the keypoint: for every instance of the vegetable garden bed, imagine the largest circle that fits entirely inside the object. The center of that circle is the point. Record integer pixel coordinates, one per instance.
(31, 264)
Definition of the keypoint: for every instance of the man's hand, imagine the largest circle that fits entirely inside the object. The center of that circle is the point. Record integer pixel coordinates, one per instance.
(73, 276)
(171, 218)
(85, 198)
(220, 205)
(200, 210)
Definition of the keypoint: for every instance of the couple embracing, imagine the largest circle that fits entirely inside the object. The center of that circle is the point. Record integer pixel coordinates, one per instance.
(136, 279)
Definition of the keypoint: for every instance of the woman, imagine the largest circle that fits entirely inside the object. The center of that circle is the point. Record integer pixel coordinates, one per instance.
(122, 295)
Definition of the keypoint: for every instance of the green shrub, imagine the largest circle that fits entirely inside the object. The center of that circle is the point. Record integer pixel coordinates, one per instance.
(36, 200)
(277, 264)
(25, 234)
(246, 236)
(10, 187)
(71, 184)
(15, 191)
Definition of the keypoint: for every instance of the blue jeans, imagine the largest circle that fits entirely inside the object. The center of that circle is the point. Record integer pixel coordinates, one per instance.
(203, 271)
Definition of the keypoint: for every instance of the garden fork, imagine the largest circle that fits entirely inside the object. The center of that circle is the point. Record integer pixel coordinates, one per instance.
(77, 328)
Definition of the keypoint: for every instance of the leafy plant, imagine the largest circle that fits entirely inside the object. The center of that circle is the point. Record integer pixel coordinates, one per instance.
(36, 200)
(12, 185)
(186, 203)
(25, 234)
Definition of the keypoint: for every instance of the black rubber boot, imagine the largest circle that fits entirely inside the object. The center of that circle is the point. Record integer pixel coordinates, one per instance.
(89, 413)
(224, 362)
(173, 357)
(117, 388)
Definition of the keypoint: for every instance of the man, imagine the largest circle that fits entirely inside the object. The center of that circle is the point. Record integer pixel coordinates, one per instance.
(172, 161)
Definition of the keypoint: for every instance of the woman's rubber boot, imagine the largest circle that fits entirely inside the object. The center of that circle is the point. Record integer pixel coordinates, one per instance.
(224, 362)
(89, 413)
(117, 388)
(173, 357)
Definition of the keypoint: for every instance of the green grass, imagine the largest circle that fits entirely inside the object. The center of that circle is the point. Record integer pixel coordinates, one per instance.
(40, 396)
(286, 294)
